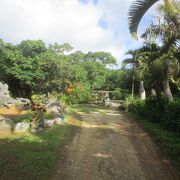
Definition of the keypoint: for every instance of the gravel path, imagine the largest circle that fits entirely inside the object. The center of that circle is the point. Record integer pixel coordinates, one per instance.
(109, 146)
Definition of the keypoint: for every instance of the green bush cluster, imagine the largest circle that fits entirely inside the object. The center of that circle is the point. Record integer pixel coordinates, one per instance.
(39, 98)
(81, 94)
(156, 110)
(27, 117)
(171, 116)
(118, 94)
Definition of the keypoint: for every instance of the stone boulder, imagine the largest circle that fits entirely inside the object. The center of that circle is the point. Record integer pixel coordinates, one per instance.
(22, 101)
(48, 123)
(52, 102)
(55, 109)
(4, 94)
(58, 121)
(5, 125)
(21, 127)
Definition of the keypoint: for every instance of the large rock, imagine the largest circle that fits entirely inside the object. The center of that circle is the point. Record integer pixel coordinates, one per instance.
(48, 123)
(55, 109)
(52, 102)
(5, 98)
(5, 125)
(58, 121)
(21, 127)
(4, 90)
(22, 101)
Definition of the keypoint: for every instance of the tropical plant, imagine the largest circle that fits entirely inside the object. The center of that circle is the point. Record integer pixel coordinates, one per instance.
(140, 7)
(139, 63)
(166, 63)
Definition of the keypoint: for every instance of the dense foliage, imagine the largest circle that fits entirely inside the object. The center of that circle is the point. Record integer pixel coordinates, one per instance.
(33, 68)
(157, 111)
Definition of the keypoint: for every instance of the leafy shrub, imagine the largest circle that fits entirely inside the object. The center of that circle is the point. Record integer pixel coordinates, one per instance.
(127, 102)
(138, 106)
(27, 117)
(171, 116)
(39, 98)
(64, 98)
(48, 115)
(118, 94)
(80, 94)
(156, 110)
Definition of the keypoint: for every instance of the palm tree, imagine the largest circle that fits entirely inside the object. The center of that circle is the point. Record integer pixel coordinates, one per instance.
(131, 61)
(136, 61)
(140, 7)
(167, 56)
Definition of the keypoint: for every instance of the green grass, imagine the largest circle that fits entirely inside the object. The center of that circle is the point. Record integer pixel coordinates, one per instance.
(31, 156)
(168, 141)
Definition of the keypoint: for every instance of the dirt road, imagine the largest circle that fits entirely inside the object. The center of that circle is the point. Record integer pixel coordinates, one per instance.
(109, 146)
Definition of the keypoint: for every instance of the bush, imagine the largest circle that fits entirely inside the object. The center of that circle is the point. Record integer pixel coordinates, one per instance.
(171, 116)
(156, 110)
(27, 117)
(80, 94)
(127, 102)
(137, 106)
(118, 94)
(39, 98)
(133, 104)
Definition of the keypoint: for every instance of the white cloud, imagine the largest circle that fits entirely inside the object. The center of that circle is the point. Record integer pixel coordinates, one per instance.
(68, 21)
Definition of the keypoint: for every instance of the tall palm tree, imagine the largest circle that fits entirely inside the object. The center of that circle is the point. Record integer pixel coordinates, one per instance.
(140, 7)
(131, 61)
(136, 61)
(167, 56)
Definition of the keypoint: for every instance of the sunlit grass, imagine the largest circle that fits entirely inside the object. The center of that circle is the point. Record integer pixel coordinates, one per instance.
(31, 156)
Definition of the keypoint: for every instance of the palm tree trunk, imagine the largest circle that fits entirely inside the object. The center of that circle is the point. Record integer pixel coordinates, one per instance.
(169, 4)
(176, 21)
(175, 14)
(167, 91)
(132, 92)
(142, 92)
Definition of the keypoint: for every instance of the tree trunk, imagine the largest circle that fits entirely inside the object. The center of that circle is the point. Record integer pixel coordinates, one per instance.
(175, 14)
(167, 91)
(142, 93)
(176, 21)
(132, 87)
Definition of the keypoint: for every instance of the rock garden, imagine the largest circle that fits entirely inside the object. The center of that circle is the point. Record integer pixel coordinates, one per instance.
(22, 115)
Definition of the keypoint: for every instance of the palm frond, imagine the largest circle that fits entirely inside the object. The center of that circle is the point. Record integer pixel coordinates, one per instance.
(136, 12)
(128, 61)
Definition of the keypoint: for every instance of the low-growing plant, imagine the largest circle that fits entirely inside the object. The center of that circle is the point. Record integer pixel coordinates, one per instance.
(27, 117)
(48, 115)
(39, 98)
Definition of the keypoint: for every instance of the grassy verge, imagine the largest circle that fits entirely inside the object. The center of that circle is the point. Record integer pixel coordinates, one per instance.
(168, 141)
(31, 156)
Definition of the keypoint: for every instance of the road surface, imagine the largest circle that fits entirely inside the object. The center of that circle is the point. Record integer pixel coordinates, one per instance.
(107, 145)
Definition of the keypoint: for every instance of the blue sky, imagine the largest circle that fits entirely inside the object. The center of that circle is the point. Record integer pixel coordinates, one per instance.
(88, 25)
(89, 1)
